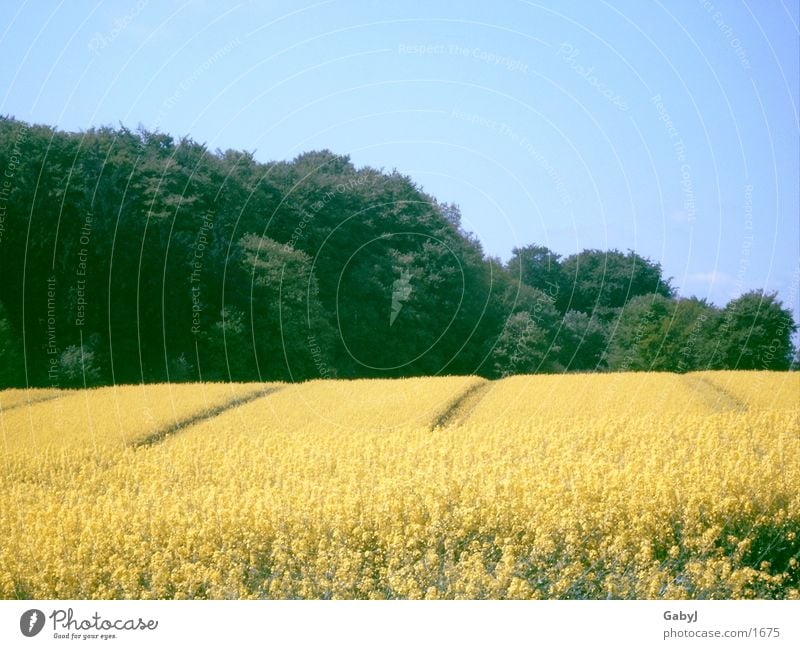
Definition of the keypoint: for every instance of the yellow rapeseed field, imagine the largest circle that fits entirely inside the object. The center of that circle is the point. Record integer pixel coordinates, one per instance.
(759, 390)
(341, 406)
(14, 398)
(109, 416)
(579, 486)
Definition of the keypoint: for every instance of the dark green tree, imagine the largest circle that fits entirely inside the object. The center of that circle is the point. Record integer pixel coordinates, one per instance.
(144, 257)
(656, 333)
(12, 371)
(755, 332)
(582, 340)
(284, 311)
(598, 282)
(527, 341)
(522, 347)
(538, 267)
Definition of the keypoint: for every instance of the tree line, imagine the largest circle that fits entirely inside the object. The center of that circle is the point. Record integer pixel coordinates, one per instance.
(132, 256)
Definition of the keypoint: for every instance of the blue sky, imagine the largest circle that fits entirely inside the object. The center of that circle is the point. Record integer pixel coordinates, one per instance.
(670, 128)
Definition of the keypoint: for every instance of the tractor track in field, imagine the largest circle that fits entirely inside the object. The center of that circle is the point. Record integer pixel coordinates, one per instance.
(717, 397)
(457, 410)
(176, 427)
(30, 402)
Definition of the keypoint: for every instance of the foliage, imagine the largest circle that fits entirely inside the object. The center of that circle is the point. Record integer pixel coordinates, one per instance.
(522, 347)
(655, 333)
(161, 260)
(77, 367)
(582, 341)
(600, 281)
(11, 365)
(755, 332)
(538, 267)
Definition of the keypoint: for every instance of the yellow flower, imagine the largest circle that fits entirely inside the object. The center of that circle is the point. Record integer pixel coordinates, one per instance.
(629, 486)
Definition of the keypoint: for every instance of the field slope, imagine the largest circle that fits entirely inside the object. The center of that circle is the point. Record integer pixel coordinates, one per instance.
(574, 486)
